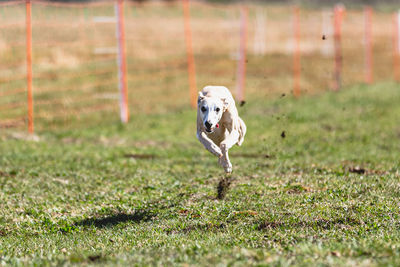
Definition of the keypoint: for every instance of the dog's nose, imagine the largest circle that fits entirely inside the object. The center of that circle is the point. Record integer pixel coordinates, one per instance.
(208, 125)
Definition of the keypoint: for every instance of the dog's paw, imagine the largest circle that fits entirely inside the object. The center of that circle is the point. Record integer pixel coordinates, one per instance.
(228, 169)
(225, 164)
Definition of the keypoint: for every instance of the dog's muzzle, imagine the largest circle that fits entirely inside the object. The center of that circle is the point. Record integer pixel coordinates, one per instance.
(208, 126)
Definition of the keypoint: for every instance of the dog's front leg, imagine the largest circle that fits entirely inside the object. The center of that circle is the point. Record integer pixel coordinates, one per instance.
(209, 144)
(225, 145)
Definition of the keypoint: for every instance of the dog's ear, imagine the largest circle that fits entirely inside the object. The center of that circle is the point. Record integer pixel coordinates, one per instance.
(201, 97)
(225, 103)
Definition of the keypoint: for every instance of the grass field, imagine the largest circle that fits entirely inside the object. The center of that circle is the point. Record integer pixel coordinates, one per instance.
(326, 192)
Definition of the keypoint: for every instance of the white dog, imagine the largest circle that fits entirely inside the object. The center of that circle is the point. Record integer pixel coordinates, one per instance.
(219, 126)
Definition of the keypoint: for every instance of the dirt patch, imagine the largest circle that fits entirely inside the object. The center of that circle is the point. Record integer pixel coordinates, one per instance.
(140, 156)
(357, 169)
(3, 233)
(362, 170)
(8, 174)
(296, 189)
(223, 187)
(94, 258)
(327, 127)
(114, 219)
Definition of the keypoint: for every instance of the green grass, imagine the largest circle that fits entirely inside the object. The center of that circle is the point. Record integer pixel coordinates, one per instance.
(145, 193)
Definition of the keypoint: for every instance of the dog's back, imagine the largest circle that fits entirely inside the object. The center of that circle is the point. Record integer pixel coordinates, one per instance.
(218, 91)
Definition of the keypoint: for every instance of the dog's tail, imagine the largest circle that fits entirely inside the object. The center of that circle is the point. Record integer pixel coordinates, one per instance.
(242, 131)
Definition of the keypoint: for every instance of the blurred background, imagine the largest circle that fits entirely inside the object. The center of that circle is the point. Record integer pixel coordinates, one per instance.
(76, 52)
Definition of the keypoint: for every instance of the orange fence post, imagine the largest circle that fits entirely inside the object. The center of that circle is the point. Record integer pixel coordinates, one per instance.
(368, 45)
(29, 64)
(338, 15)
(296, 51)
(123, 87)
(189, 52)
(396, 46)
(241, 70)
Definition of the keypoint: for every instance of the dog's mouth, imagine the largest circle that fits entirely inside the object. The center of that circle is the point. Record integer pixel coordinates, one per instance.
(211, 129)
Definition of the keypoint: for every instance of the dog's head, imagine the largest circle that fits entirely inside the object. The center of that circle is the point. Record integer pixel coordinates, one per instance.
(210, 110)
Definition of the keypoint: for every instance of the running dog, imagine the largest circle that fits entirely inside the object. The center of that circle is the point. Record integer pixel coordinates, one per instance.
(219, 126)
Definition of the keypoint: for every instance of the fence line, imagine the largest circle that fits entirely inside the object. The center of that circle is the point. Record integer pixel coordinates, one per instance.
(74, 5)
(92, 95)
(296, 52)
(123, 86)
(396, 46)
(189, 51)
(241, 69)
(338, 16)
(368, 45)
(29, 64)
(12, 3)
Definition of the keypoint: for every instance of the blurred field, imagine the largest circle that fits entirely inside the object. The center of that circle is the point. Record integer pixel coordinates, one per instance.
(75, 81)
(316, 181)
(144, 193)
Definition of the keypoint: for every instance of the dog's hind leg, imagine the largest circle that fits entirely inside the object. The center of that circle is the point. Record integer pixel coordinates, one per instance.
(230, 140)
(225, 145)
(225, 162)
(242, 131)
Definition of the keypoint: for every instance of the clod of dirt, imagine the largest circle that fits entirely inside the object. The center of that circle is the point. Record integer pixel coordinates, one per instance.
(94, 257)
(242, 103)
(358, 170)
(269, 225)
(183, 212)
(283, 134)
(223, 187)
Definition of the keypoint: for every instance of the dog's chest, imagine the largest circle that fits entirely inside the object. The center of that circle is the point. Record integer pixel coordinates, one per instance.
(218, 135)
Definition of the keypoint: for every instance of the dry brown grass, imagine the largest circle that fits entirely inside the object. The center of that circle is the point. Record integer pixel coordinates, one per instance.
(64, 41)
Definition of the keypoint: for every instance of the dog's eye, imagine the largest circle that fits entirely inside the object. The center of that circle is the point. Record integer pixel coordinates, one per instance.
(203, 109)
(217, 109)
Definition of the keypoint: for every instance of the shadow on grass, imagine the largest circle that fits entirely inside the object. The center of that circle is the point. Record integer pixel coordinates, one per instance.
(317, 224)
(250, 155)
(114, 219)
(141, 156)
